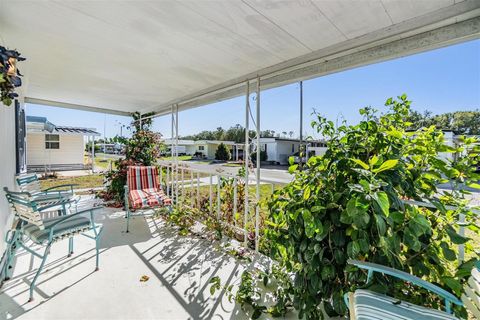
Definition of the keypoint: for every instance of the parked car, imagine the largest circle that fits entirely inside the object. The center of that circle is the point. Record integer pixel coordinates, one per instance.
(297, 158)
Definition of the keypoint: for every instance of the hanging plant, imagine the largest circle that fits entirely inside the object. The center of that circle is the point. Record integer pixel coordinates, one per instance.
(9, 75)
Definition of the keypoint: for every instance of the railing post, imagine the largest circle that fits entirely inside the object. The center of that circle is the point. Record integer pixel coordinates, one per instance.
(183, 186)
(192, 201)
(234, 213)
(198, 190)
(219, 199)
(461, 231)
(211, 196)
(161, 175)
(168, 180)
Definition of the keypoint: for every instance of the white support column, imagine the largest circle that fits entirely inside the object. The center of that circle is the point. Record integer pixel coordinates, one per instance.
(93, 154)
(172, 150)
(176, 151)
(257, 205)
(245, 159)
(301, 149)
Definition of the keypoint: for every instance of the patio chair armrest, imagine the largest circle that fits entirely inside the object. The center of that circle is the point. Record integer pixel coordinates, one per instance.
(70, 185)
(373, 267)
(19, 193)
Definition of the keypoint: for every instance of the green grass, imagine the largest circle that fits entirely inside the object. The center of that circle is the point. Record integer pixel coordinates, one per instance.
(180, 158)
(100, 163)
(83, 182)
(232, 165)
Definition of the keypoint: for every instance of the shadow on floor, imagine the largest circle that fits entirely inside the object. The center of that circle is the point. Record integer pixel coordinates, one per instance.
(183, 267)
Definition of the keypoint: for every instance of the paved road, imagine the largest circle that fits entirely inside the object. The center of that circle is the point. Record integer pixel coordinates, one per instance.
(266, 175)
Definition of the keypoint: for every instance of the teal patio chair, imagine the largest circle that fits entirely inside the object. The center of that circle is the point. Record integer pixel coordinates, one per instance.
(47, 231)
(365, 304)
(143, 190)
(30, 183)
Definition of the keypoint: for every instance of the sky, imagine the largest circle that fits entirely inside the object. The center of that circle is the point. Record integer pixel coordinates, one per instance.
(442, 80)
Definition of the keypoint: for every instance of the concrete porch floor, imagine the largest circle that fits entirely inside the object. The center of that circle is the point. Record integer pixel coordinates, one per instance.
(179, 269)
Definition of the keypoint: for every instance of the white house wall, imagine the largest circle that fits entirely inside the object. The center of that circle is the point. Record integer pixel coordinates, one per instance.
(284, 150)
(71, 150)
(190, 150)
(271, 151)
(7, 167)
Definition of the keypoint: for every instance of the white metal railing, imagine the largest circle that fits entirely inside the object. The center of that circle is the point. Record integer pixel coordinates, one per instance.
(181, 178)
(461, 222)
(183, 183)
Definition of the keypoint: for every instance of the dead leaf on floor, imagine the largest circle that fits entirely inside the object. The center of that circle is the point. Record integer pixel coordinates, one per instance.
(144, 278)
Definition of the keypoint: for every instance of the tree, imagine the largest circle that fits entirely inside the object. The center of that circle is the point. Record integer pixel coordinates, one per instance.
(460, 122)
(222, 153)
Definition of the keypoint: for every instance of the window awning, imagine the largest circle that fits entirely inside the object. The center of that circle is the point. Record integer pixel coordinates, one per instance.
(126, 56)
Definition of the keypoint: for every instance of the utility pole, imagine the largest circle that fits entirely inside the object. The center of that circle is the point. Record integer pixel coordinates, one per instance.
(301, 151)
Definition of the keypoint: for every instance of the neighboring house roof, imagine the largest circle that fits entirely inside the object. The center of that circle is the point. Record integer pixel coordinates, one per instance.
(42, 125)
(84, 131)
(215, 142)
(193, 142)
(180, 142)
(273, 139)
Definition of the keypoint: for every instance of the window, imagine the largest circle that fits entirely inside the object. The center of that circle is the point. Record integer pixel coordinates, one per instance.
(293, 148)
(201, 148)
(52, 141)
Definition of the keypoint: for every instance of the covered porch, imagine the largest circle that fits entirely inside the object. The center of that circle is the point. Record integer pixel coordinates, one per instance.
(164, 58)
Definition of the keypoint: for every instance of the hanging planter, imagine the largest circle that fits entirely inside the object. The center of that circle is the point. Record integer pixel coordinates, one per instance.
(9, 75)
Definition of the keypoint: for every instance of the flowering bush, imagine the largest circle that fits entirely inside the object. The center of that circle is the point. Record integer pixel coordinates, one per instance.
(143, 148)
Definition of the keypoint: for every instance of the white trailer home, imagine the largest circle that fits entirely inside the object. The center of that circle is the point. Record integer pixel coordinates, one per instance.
(280, 149)
(55, 148)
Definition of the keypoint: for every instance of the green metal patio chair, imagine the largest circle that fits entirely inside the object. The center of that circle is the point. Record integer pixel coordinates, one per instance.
(30, 183)
(47, 231)
(366, 304)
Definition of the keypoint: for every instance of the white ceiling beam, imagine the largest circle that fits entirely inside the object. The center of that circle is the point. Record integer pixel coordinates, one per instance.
(60, 104)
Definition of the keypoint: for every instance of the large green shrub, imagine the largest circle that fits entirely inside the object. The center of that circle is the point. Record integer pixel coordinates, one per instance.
(222, 152)
(348, 204)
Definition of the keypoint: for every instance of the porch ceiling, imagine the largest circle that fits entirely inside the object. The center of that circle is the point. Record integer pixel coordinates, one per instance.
(125, 56)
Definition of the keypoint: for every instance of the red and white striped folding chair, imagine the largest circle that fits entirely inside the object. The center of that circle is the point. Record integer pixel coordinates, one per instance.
(143, 190)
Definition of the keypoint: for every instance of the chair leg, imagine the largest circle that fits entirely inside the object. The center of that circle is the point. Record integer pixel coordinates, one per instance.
(97, 252)
(8, 264)
(10, 255)
(70, 246)
(128, 220)
(44, 258)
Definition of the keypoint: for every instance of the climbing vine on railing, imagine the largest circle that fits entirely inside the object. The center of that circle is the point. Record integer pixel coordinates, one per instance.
(348, 204)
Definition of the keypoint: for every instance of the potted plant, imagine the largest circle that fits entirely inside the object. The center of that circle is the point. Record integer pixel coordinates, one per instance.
(9, 75)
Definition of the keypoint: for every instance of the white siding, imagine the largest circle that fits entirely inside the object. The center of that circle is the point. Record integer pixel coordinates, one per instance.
(71, 150)
(284, 150)
(7, 167)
